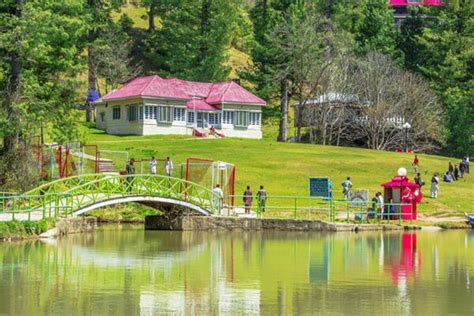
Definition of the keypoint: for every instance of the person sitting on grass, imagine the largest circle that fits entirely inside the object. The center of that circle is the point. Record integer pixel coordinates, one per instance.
(447, 177)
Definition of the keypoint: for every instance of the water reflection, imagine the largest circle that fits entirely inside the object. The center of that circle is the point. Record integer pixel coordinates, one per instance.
(129, 271)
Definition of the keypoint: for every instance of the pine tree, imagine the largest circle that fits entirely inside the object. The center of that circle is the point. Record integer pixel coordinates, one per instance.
(445, 48)
(39, 48)
(376, 31)
(194, 39)
(267, 56)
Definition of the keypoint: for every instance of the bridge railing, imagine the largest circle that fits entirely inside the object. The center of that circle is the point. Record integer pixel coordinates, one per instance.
(368, 211)
(77, 192)
(296, 207)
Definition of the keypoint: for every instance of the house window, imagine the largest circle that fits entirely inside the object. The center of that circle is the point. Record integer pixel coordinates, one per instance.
(151, 112)
(254, 119)
(116, 113)
(241, 119)
(102, 116)
(164, 114)
(228, 117)
(214, 118)
(148, 112)
(179, 114)
(190, 117)
(135, 112)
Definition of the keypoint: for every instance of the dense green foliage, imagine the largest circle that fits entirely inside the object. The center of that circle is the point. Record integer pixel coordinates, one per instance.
(441, 48)
(24, 229)
(47, 46)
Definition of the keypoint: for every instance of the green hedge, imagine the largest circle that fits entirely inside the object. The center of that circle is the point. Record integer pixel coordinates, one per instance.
(23, 229)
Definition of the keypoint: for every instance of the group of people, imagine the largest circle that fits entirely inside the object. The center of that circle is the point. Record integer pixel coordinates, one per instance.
(454, 172)
(168, 166)
(247, 198)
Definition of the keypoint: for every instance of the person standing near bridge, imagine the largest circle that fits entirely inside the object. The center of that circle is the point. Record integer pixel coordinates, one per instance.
(262, 199)
(218, 196)
(168, 167)
(130, 169)
(153, 165)
(247, 199)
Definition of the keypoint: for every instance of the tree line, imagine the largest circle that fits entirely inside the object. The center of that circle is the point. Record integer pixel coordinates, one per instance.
(341, 67)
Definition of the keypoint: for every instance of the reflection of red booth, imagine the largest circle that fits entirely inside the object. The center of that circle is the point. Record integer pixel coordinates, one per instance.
(409, 259)
(405, 193)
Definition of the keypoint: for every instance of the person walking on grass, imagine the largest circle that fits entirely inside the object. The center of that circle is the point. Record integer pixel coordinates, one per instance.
(168, 167)
(434, 186)
(467, 163)
(262, 199)
(346, 187)
(416, 164)
(456, 173)
(153, 165)
(462, 168)
(419, 182)
(451, 169)
(247, 199)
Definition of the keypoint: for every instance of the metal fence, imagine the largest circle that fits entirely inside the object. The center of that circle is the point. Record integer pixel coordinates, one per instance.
(296, 207)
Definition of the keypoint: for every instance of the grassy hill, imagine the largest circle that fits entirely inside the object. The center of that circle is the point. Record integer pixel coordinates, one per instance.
(284, 168)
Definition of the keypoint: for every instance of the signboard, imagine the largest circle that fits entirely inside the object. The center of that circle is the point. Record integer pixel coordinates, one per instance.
(321, 186)
(358, 197)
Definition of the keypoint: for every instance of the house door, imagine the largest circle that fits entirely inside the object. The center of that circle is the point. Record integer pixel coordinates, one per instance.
(202, 120)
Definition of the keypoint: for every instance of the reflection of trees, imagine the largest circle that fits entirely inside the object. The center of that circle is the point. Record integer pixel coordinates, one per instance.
(132, 271)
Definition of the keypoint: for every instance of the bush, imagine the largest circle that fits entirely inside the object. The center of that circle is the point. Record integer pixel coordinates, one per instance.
(17, 229)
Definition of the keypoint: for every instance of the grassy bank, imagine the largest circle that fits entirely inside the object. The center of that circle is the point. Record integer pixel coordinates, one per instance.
(128, 213)
(24, 229)
(284, 168)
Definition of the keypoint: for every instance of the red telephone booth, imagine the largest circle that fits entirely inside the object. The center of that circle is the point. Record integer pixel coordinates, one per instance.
(404, 194)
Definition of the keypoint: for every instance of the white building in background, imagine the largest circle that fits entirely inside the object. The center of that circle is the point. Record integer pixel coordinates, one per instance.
(153, 105)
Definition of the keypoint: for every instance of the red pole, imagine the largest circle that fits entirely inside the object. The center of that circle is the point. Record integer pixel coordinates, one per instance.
(233, 187)
(60, 160)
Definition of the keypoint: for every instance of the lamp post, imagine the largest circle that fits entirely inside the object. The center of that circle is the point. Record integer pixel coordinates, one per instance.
(406, 127)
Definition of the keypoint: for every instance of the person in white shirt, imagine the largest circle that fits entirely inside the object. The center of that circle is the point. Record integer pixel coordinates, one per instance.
(153, 165)
(434, 186)
(380, 204)
(346, 187)
(168, 167)
(218, 196)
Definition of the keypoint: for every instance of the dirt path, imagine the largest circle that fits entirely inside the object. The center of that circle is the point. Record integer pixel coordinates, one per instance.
(439, 219)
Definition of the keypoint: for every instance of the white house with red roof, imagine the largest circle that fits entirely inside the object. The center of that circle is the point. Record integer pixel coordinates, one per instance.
(153, 105)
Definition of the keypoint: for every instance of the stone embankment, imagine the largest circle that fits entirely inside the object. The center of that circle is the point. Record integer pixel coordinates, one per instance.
(211, 223)
(73, 225)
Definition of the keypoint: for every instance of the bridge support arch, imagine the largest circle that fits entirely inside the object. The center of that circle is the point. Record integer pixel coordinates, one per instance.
(170, 207)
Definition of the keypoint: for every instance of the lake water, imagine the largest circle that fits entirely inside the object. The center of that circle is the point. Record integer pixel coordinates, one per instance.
(124, 270)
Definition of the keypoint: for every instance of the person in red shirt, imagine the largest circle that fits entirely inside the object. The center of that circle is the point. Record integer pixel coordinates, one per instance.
(416, 164)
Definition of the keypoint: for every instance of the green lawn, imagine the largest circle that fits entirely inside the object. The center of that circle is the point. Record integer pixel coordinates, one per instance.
(284, 168)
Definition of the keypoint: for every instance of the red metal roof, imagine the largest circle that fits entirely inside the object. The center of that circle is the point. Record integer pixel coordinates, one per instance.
(414, 2)
(399, 181)
(200, 105)
(210, 93)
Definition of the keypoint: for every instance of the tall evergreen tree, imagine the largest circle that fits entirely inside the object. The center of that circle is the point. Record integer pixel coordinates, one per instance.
(39, 49)
(376, 31)
(445, 55)
(194, 39)
(266, 56)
